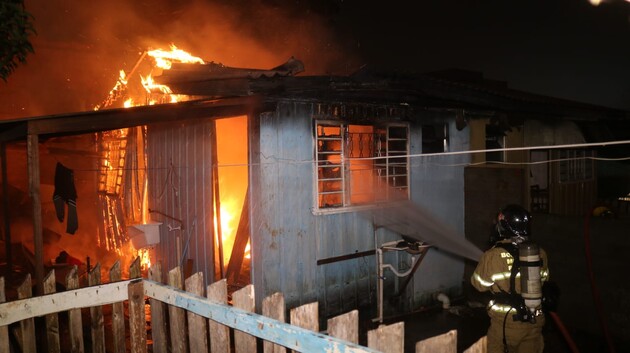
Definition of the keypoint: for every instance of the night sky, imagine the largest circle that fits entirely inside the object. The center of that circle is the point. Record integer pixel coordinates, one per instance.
(563, 48)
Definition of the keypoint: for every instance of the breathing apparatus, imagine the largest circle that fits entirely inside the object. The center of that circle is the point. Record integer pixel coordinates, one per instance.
(513, 223)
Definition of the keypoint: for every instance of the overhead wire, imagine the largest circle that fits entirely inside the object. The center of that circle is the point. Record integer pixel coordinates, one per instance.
(271, 160)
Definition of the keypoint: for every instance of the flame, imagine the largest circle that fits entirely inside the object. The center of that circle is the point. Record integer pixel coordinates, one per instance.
(150, 86)
(164, 59)
(145, 259)
(229, 223)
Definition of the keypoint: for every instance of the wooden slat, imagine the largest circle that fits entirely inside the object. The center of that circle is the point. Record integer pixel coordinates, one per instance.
(27, 326)
(134, 269)
(96, 314)
(345, 326)
(4, 329)
(177, 318)
(388, 338)
(266, 328)
(52, 320)
(158, 319)
(273, 307)
(444, 343)
(219, 334)
(118, 312)
(137, 318)
(197, 325)
(481, 346)
(74, 315)
(306, 316)
(244, 299)
(69, 300)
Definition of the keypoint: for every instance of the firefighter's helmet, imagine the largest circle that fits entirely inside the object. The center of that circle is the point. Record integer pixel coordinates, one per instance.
(513, 221)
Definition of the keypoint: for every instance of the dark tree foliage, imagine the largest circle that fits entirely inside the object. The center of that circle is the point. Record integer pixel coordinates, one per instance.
(15, 28)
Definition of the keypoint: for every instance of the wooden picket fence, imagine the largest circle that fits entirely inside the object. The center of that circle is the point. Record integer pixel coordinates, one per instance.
(183, 321)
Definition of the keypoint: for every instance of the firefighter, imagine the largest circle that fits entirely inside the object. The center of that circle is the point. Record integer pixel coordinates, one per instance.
(513, 272)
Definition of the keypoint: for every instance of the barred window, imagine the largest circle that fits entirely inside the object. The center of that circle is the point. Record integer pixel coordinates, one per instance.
(575, 165)
(360, 164)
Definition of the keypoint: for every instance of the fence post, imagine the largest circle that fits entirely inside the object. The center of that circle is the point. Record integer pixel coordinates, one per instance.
(52, 320)
(96, 314)
(177, 319)
(158, 319)
(137, 320)
(118, 313)
(273, 307)
(244, 299)
(219, 334)
(74, 315)
(388, 338)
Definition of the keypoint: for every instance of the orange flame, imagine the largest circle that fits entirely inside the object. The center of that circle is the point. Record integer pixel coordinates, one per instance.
(164, 59)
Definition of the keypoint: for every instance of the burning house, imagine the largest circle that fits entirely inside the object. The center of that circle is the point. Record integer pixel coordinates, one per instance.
(345, 190)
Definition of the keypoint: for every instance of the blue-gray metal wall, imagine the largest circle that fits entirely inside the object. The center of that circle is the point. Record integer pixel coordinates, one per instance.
(180, 189)
(288, 239)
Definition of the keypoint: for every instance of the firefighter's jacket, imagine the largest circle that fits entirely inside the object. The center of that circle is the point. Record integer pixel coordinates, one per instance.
(493, 274)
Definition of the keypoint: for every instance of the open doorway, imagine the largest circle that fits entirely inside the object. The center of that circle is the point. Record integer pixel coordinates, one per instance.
(231, 201)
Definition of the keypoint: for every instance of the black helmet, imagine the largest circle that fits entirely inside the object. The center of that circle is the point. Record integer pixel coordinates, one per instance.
(513, 221)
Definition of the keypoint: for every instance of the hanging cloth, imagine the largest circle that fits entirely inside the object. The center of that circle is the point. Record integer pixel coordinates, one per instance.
(65, 193)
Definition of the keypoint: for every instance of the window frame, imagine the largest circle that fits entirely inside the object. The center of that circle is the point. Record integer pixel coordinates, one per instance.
(346, 187)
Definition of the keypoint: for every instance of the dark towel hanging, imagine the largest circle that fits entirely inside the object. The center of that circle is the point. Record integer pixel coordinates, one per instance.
(65, 193)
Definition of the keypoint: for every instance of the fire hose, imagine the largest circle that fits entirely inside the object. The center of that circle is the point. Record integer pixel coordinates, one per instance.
(564, 331)
(594, 288)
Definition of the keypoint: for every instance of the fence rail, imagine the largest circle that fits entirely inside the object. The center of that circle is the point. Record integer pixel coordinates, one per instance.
(194, 323)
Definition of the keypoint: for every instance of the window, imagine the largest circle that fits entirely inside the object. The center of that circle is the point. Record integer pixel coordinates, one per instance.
(360, 164)
(575, 165)
(495, 139)
(435, 138)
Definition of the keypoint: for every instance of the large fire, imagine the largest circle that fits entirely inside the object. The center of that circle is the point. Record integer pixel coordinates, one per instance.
(161, 59)
(154, 93)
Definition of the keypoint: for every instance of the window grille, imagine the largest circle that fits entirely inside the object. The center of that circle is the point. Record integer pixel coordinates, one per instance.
(575, 165)
(360, 164)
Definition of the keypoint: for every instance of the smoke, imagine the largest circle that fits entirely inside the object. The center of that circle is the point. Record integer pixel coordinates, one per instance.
(81, 46)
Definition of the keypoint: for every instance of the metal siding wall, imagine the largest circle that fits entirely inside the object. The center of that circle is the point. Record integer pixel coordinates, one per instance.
(180, 186)
(284, 232)
(439, 186)
(287, 238)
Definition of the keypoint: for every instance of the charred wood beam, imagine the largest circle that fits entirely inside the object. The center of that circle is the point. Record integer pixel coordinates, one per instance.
(111, 119)
(240, 243)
